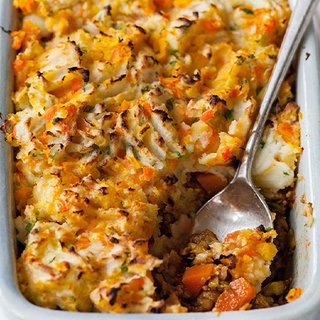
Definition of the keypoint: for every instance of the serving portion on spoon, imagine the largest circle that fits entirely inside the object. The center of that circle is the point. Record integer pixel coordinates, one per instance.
(240, 205)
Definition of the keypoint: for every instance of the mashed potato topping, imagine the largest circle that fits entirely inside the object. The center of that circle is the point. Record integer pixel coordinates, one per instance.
(129, 116)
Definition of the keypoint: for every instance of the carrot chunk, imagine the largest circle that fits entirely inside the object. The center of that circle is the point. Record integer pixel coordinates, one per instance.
(76, 84)
(241, 292)
(147, 108)
(211, 25)
(207, 115)
(17, 39)
(195, 277)
(286, 131)
(163, 4)
(48, 116)
(148, 173)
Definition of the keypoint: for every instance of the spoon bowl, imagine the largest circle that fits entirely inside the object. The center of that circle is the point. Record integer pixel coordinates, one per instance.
(240, 206)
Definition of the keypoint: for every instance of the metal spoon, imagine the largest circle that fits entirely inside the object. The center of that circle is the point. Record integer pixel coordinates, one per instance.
(240, 205)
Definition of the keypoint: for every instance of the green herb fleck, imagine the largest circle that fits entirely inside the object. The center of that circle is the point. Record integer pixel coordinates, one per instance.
(247, 11)
(126, 145)
(170, 104)
(118, 26)
(228, 114)
(83, 50)
(124, 268)
(135, 153)
(28, 85)
(263, 40)
(174, 53)
(272, 56)
(84, 85)
(108, 150)
(145, 89)
(195, 120)
(286, 173)
(179, 155)
(232, 27)
(262, 144)
(52, 260)
(269, 229)
(173, 63)
(122, 204)
(95, 147)
(244, 82)
(88, 109)
(251, 56)
(29, 227)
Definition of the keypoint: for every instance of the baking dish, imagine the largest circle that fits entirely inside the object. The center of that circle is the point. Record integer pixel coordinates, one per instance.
(29, 311)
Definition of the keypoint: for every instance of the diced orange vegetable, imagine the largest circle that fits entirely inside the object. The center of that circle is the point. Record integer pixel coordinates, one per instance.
(195, 277)
(65, 128)
(249, 251)
(163, 4)
(124, 105)
(130, 292)
(207, 115)
(226, 154)
(211, 25)
(27, 6)
(173, 85)
(241, 292)
(212, 183)
(232, 236)
(149, 7)
(43, 137)
(184, 131)
(82, 242)
(76, 84)
(68, 88)
(286, 131)
(270, 26)
(147, 108)
(23, 193)
(17, 39)
(148, 173)
(48, 116)
(71, 179)
(135, 284)
(234, 93)
(62, 205)
(18, 65)
(259, 73)
(118, 130)
(71, 110)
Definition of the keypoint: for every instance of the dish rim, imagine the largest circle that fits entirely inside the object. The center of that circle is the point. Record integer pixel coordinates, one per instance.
(16, 306)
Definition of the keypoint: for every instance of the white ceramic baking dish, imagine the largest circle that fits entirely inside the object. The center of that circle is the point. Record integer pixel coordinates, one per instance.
(306, 269)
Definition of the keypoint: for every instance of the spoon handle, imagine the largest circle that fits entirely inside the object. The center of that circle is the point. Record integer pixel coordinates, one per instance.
(300, 19)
